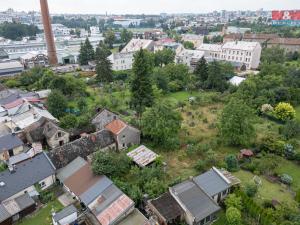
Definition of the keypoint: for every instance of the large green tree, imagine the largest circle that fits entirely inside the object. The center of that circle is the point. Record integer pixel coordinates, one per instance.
(216, 79)
(161, 124)
(126, 36)
(164, 57)
(233, 216)
(141, 86)
(201, 72)
(57, 103)
(86, 52)
(103, 66)
(110, 38)
(236, 124)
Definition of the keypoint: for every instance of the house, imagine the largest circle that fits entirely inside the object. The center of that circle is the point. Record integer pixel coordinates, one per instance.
(214, 183)
(67, 216)
(136, 44)
(15, 209)
(197, 40)
(165, 209)
(142, 156)
(24, 177)
(189, 57)
(135, 218)
(98, 193)
(124, 134)
(199, 208)
(10, 145)
(103, 118)
(55, 136)
(121, 61)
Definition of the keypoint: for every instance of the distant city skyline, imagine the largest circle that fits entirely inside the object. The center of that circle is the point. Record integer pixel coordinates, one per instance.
(148, 7)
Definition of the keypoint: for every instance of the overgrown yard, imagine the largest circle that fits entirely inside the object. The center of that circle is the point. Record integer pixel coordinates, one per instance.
(267, 190)
(42, 216)
(298, 113)
(292, 169)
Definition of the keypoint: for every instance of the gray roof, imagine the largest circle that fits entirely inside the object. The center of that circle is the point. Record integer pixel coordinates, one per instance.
(198, 203)
(64, 213)
(4, 215)
(70, 169)
(109, 195)
(25, 175)
(9, 141)
(211, 182)
(18, 158)
(93, 192)
(24, 201)
(135, 218)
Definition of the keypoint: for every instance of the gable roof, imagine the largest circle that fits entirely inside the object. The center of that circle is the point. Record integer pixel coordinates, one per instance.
(135, 218)
(69, 210)
(142, 156)
(116, 126)
(25, 174)
(212, 182)
(190, 195)
(50, 129)
(9, 141)
(18, 204)
(99, 114)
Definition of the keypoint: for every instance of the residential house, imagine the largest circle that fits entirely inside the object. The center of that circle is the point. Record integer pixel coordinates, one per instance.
(10, 145)
(55, 136)
(197, 40)
(24, 177)
(67, 216)
(189, 57)
(15, 209)
(124, 134)
(98, 193)
(103, 118)
(199, 208)
(136, 44)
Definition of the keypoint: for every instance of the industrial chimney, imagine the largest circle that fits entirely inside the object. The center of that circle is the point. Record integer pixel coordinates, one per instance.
(48, 32)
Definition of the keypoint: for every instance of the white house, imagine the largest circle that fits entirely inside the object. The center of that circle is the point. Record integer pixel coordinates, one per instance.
(121, 61)
(189, 57)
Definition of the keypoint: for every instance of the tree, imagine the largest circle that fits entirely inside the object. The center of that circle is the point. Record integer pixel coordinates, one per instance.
(104, 48)
(189, 45)
(164, 57)
(161, 123)
(126, 36)
(16, 31)
(201, 71)
(141, 86)
(57, 103)
(154, 187)
(216, 78)
(236, 125)
(273, 55)
(233, 201)
(103, 67)
(233, 216)
(110, 163)
(110, 38)
(251, 189)
(86, 52)
(68, 121)
(284, 111)
(290, 129)
(232, 163)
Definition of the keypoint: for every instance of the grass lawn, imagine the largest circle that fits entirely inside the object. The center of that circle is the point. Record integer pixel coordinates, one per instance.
(43, 216)
(268, 190)
(221, 219)
(291, 169)
(298, 113)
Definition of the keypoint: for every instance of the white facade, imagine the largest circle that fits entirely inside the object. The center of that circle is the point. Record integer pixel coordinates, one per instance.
(60, 30)
(136, 44)
(197, 40)
(121, 61)
(95, 30)
(67, 220)
(189, 57)
(236, 52)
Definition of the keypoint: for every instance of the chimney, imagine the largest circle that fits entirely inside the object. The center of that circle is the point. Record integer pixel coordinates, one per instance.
(48, 32)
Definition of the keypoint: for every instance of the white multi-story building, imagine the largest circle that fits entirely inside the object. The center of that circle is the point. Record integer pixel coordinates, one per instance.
(60, 30)
(124, 59)
(189, 57)
(95, 30)
(238, 53)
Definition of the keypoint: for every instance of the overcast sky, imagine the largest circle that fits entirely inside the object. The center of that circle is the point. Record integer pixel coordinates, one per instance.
(148, 6)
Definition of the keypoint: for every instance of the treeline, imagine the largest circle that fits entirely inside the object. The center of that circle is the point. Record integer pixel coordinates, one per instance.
(75, 22)
(16, 31)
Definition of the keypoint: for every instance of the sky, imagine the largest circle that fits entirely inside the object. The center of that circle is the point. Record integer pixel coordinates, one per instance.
(148, 6)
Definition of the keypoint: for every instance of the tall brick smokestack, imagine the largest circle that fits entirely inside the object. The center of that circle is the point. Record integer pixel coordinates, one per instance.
(48, 32)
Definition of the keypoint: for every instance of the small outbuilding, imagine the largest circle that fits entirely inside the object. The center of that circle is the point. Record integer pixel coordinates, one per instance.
(142, 156)
(67, 216)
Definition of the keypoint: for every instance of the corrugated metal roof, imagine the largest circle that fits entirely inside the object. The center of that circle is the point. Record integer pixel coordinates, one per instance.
(211, 182)
(142, 156)
(70, 169)
(64, 213)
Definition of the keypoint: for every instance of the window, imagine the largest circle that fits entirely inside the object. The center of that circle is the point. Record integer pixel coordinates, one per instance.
(42, 184)
(207, 219)
(224, 192)
(59, 134)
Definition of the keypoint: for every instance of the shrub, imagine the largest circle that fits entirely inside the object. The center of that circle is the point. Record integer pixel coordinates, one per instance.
(233, 201)
(46, 196)
(265, 108)
(233, 216)
(289, 152)
(291, 129)
(200, 165)
(284, 111)
(251, 189)
(231, 163)
(286, 179)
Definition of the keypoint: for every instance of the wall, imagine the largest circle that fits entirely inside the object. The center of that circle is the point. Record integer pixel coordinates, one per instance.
(54, 141)
(67, 220)
(128, 137)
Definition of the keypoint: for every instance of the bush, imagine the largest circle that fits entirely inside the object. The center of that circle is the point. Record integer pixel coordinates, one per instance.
(289, 152)
(231, 163)
(200, 165)
(233, 201)
(284, 111)
(291, 129)
(233, 216)
(46, 196)
(286, 179)
(251, 189)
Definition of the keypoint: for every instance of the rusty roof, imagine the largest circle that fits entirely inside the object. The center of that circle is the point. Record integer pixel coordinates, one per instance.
(116, 126)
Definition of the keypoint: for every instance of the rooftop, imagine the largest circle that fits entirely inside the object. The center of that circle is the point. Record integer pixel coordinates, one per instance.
(135, 218)
(142, 156)
(136, 44)
(10, 65)
(25, 174)
(64, 213)
(116, 126)
(10, 141)
(241, 45)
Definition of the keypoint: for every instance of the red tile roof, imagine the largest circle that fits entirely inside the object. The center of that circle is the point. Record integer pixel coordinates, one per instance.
(117, 208)
(116, 126)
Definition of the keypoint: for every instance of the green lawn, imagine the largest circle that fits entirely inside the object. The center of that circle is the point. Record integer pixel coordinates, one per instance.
(43, 216)
(268, 190)
(221, 219)
(291, 169)
(298, 113)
